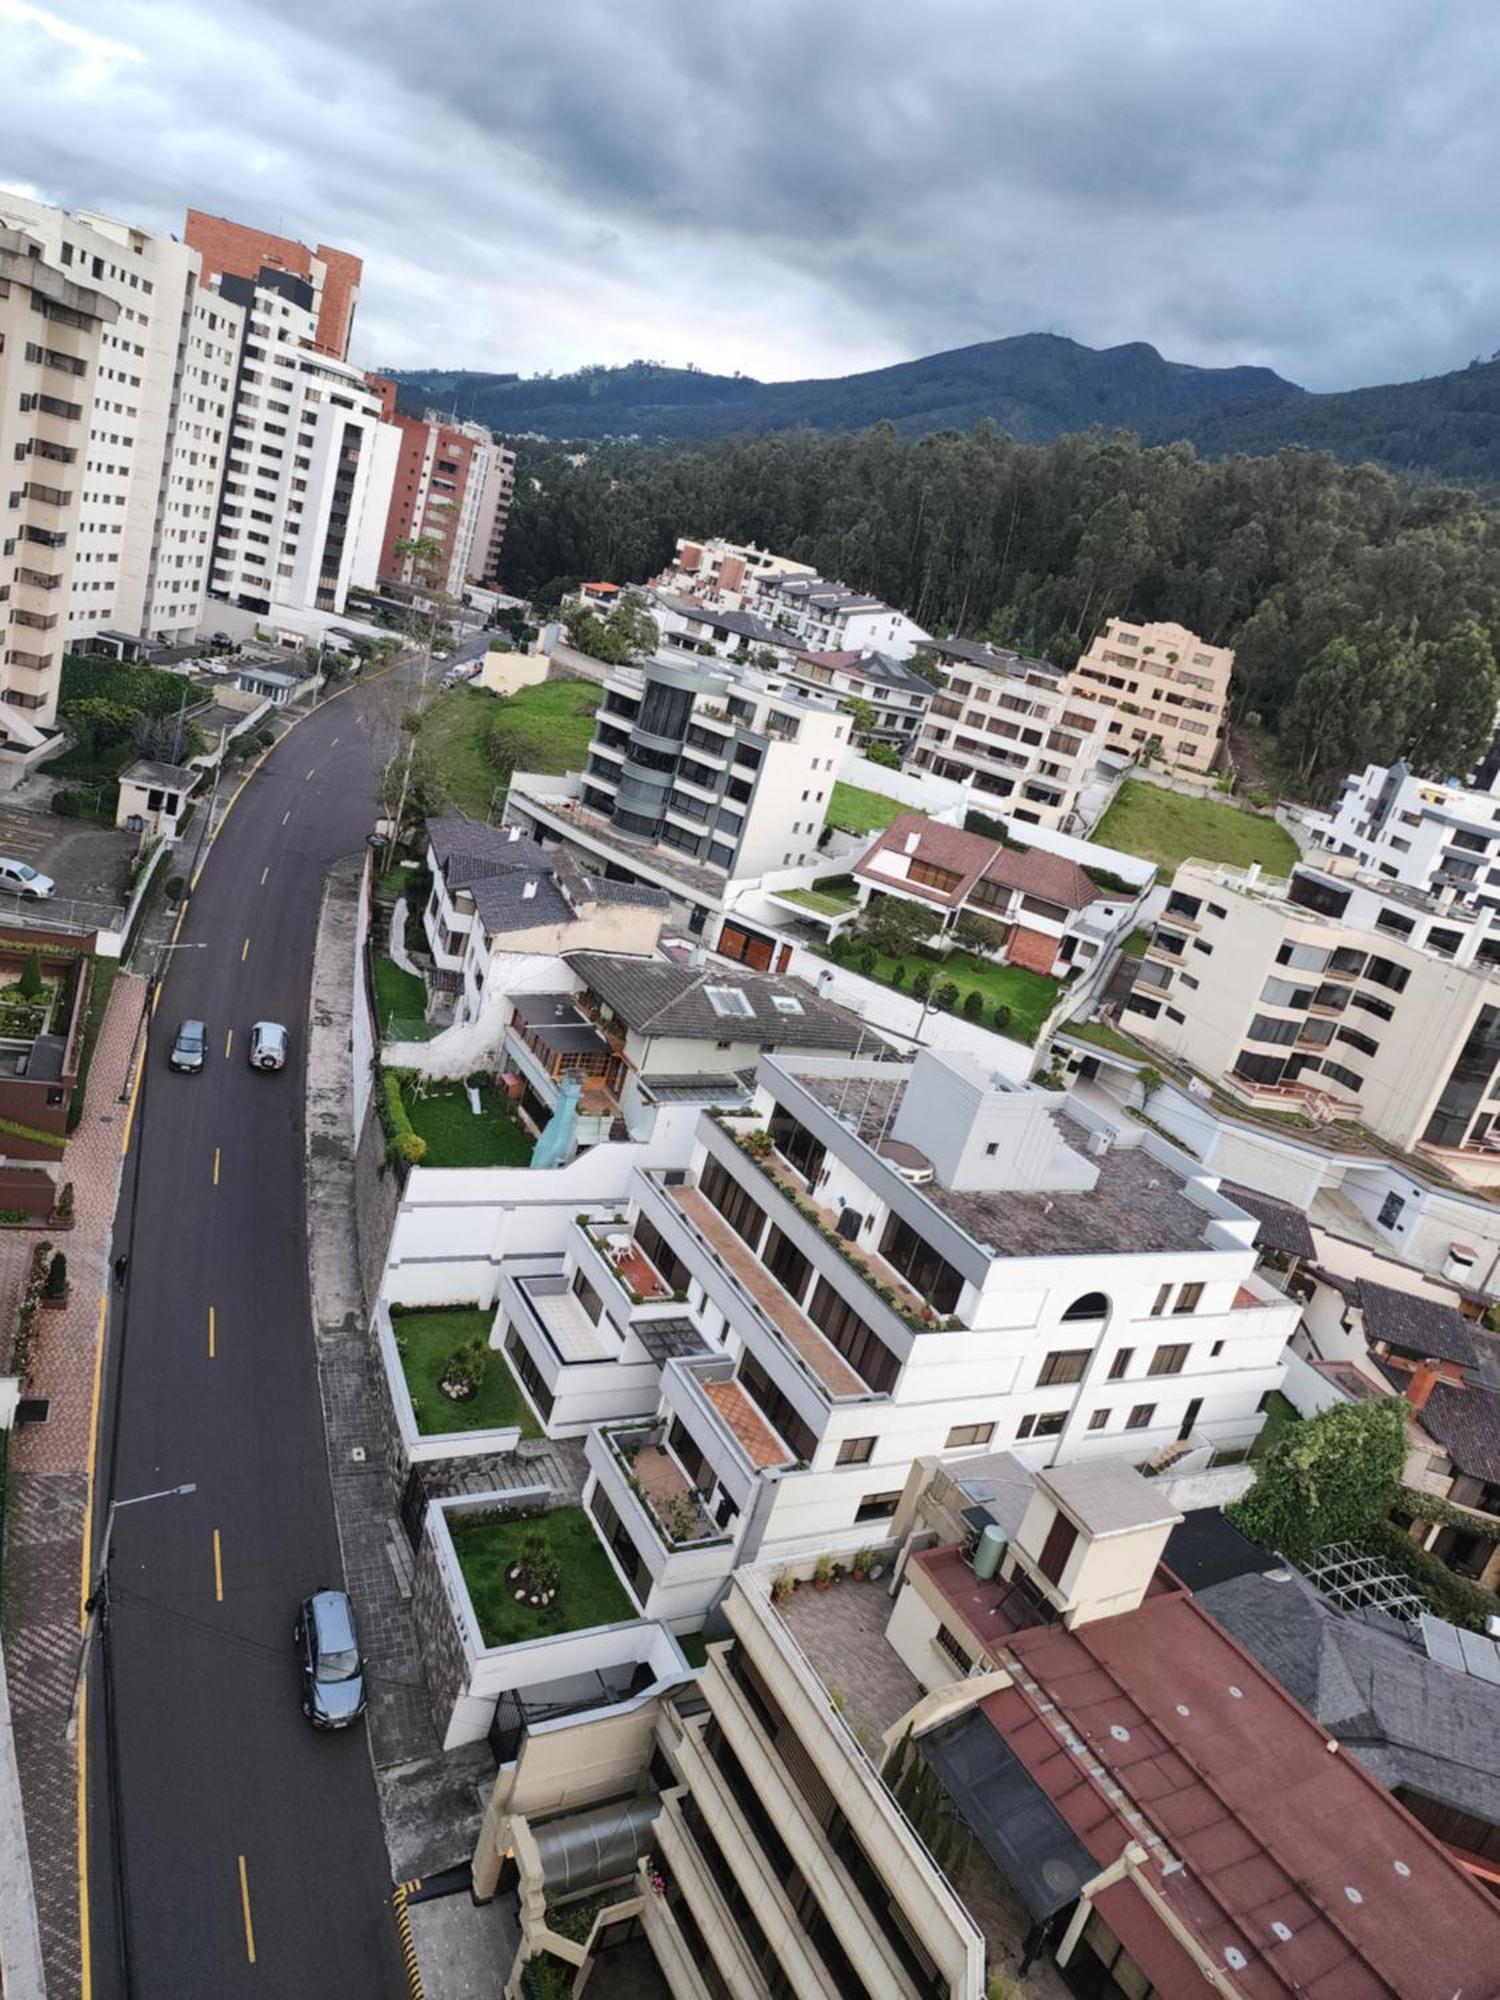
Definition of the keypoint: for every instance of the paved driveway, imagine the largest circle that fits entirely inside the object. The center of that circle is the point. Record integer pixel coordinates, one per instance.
(88, 863)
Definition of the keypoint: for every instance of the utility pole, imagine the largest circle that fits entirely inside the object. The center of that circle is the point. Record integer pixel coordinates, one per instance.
(147, 1003)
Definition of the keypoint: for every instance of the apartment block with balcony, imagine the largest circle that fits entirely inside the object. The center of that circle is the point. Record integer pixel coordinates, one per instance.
(886, 1260)
(1340, 992)
(831, 618)
(728, 575)
(308, 474)
(697, 776)
(1013, 728)
(51, 333)
(499, 490)
(1038, 1764)
(438, 494)
(1437, 837)
(149, 477)
(1163, 684)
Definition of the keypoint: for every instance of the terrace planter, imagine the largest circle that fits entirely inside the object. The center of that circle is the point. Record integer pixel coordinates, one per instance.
(59, 1303)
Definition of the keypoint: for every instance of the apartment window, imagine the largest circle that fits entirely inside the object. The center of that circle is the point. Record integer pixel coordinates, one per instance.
(855, 1451)
(1063, 1365)
(843, 1328)
(877, 1506)
(1382, 972)
(1381, 1009)
(1119, 1368)
(1098, 1419)
(1159, 1303)
(795, 1143)
(1362, 1043)
(1216, 1350)
(1140, 1417)
(962, 1434)
(1266, 1028)
(1088, 1305)
(624, 1550)
(1061, 1537)
(1047, 1425)
(955, 1650)
(927, 875)
(1346, 1077)
(661, 1253)
(914, 1257)
(786, 1264)
(1312, 894)
(586, 1296)
(1169, 1360)
(528, 1374)
(722, 1191)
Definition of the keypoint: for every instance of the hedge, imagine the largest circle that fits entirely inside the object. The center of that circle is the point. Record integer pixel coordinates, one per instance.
(403, 1141)
(1452, 1597)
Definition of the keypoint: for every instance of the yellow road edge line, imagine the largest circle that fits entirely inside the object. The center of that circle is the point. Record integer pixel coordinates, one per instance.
(85, 1920)
(135, 1091)
(245, 1907)
(211, 1333)
(216, 1166)
(218, 1569)
(155, 1002)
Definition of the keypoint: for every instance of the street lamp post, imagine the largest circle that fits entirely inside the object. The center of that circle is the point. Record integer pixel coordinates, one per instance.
(152, 983)
(96, 1605)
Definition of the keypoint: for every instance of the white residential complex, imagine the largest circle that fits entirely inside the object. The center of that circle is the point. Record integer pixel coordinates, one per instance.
(1011, 726)
(727, 575)
(831, 618)
(494, 515)
(871, 1262)
(157, 425)
(310, 466)
(1338, 993)
(1425, 833)
(51, 330)
(1164, 684)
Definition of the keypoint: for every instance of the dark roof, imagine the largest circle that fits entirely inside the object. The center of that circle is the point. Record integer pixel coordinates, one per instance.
(468, 848)
(1464, 1418)
(872, 666)
(743, 624)
(1415, 1325)
(557, 1023)
(996, 659)
(1283, 1226)
(1204, 1548)
(1407, 1719)
(972, 858)
(516, 883)
(657, 996)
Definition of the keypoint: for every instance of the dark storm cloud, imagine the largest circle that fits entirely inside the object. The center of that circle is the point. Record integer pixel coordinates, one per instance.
(802, 187)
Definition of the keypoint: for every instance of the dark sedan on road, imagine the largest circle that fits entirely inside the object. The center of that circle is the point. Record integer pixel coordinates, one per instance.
(333, 1674)
(189, 1047)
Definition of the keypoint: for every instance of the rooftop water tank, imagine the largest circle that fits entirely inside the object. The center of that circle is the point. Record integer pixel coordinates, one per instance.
(987, 1555)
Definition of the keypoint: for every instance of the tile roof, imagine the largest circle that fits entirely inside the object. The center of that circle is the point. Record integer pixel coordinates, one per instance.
(498, 864)
(872, 666)
(1464, 1418)
(1034, 872)
(1283, 1226)
(658, 996)
(746, 1424)
(1415, 1325)
(996, 659)
(1298, 1870)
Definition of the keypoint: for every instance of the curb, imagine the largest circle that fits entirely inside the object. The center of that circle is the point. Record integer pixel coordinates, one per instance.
(399, 1898)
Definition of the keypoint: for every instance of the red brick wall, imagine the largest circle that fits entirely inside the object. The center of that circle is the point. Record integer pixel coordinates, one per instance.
(1033, 949)
(233, 246)
(340, 296)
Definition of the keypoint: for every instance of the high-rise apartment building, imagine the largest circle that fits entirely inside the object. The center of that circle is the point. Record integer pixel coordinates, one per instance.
(235, 250)
(1163, 683)
(494, 515)
(157, 428)
(440, 492)
(52, 327)
(309, 468)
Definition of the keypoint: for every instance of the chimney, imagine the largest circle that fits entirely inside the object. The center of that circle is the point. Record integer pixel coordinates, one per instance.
(513, 832)
(1424, 1378)
(912, 842)
(528, 890)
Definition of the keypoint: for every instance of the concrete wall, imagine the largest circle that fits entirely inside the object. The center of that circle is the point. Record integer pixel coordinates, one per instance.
(377, 1197)
(364, 1030)
(1307, 1390)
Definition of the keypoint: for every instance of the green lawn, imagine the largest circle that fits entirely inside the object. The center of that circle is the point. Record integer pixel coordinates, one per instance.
(589, 1591)
(1029, 996)
(400, 996)
(833, 898)
(1169, 828)
(544, 728)
(1135, 945)
(456, 1138)
(426, 1339)
(857, 811)
(1280, 1418)
(1105, 1037)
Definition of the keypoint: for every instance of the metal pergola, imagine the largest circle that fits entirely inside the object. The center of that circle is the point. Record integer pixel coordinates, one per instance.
(1353, 1580)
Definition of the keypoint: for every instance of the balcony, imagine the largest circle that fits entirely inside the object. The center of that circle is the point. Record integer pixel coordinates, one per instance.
(679, 1516)
(627, 1263)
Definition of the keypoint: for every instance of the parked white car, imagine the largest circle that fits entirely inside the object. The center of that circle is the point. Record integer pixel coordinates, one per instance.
(24, 880)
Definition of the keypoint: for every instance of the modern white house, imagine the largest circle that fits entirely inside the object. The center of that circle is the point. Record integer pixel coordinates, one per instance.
(832, 618)
(727, 575)
(1428, 834)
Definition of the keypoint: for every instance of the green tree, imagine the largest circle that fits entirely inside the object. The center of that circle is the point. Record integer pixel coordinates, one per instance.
(1331, 1479)
(896, 927)
(861, 715)
(32, 983)
(885, 754)
(1459, 694)
(976, 933)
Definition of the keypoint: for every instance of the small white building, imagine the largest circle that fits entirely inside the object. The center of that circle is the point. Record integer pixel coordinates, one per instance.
(154, 798)
(1437, 836)
(832, 618)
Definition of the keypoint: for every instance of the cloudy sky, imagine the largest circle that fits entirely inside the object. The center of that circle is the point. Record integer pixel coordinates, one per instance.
(795, 187)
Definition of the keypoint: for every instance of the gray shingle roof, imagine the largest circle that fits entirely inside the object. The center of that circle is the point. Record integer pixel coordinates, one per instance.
(1407, 1719)
(1415, 1325)
(655, 996)
(497, 863)
(1283, 1226)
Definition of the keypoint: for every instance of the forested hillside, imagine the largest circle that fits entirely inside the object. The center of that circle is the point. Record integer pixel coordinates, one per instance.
(1365, 614)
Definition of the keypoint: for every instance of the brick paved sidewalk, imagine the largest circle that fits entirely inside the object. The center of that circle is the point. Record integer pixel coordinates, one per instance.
(49, 1493)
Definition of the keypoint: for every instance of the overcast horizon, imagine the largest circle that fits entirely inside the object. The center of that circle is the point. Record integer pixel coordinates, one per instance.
(1310, 190)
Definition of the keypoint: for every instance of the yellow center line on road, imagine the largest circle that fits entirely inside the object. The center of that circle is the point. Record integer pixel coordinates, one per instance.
(228, 1043)
(218, 1570)
(212, 1334)
(244, 951)
(245, 1906)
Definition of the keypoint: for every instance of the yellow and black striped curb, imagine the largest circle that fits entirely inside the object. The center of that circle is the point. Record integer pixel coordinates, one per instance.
(399, 1896)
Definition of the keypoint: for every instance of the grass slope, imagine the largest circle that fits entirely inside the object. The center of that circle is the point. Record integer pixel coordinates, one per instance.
(858, 811)
(1169, 828)
(543, 728)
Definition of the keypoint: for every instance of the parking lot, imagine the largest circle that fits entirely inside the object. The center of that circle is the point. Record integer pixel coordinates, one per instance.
(88, 863)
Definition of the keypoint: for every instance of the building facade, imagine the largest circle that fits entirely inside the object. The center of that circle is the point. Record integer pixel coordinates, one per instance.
(1340, 993)
(727, 575)
(439, 492)
(1012, 727)
(157, 430)
(1427, 834)
(52, 328)
(1164, 684)
(236, 250)
(308, 473)
(494, 514)
(831, 618)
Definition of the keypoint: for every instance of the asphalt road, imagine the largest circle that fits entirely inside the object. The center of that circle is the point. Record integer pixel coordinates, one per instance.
(250, 1845)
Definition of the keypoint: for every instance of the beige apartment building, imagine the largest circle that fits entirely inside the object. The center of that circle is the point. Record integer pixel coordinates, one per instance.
(1012, 727)
(1340, 994)
(1162, 682)
(51, 328)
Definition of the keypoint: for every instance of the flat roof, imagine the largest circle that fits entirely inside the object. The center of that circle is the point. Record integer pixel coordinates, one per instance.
(1108, 1497)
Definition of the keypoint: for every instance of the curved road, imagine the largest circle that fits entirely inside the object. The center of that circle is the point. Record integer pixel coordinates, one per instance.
(249, 1846)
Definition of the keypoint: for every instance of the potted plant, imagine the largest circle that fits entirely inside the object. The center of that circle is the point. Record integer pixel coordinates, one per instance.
(782, 1587)
(822, 1573)
(55, 1290)
(860, 1566)
(464, 1372)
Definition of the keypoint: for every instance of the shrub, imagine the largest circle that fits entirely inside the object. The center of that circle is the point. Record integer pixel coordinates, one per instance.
(921, 986)
(67, 804)
(973, 1004)
(898, 973)
(867, 961)
(265, 738)
(65, 1200)
(1002, 1016)
(947, 994)
(1113, 885)
(403, 1141)
(885, 754)
(57, 1277)
(176, 888)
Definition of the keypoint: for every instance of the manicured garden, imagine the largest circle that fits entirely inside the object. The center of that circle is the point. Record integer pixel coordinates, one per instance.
(1011, 1000)
(1169, 828)
(585, 1589)
(834, 898)
(476, 739)
(457, 1136)
(856, 810)
(428, 1342)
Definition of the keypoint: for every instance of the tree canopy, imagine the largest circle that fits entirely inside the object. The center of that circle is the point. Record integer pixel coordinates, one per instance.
(1331, 1479)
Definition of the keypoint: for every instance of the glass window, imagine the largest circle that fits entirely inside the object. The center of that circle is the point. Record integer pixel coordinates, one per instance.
(1119, 1368)
(1312, 892)
(1169, 1360)
(1064, 1365)
(1098, 1419)
(877, 1506)
(1140, 1417)
(914, 1257)
(1188, 1299)
(1049, 1424)
(1090, 1305)
(962, 1434)
(856, 1451)
(864, 1350)
(1384, 973)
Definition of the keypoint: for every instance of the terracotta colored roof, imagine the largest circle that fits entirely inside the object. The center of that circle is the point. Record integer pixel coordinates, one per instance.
(1299, 1872)
(746, 1423)
(1050, 877)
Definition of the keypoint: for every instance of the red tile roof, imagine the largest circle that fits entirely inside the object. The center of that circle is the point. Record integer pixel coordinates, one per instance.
(1034, 872)
(746, 1423)
(1299, 1873)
